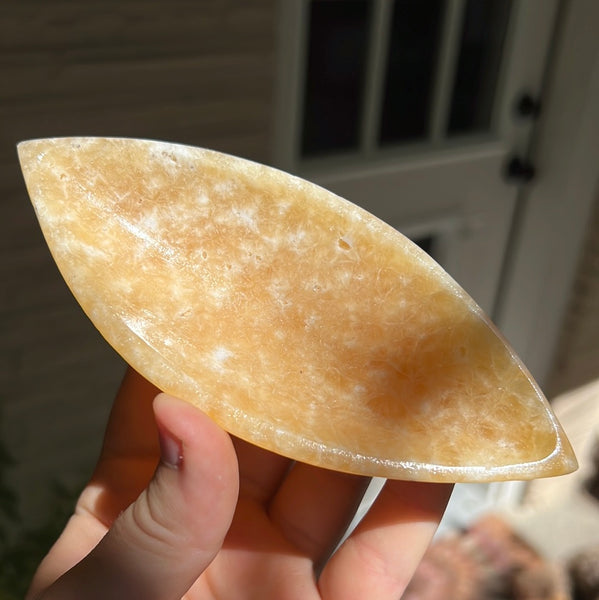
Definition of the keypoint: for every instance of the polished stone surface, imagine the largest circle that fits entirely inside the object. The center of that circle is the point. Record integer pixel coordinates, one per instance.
(294, 318)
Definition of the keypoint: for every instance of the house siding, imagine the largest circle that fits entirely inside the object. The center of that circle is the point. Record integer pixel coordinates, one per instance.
(198, 72)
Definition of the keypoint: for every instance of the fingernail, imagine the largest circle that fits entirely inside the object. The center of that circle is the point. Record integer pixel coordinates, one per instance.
(171, 449)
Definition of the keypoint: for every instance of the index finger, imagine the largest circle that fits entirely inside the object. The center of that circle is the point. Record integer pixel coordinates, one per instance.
(131, 430)
(127, 461)
(129, 453)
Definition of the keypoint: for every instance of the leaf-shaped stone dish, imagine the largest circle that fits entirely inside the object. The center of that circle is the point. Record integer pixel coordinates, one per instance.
(295, 319)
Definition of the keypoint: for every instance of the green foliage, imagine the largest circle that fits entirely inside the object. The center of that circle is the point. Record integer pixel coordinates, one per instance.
(19, 560)
(23, 547)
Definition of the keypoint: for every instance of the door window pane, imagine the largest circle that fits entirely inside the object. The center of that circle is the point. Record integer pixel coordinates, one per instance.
(411, 65)
(336, 61)
(484, 28)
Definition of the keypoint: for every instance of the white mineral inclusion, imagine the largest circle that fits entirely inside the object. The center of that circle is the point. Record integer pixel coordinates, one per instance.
(219, 357)
(203, 199)
(247, 217)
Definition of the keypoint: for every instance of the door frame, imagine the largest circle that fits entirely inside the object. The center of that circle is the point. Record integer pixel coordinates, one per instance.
(539, 272)
(553, 213)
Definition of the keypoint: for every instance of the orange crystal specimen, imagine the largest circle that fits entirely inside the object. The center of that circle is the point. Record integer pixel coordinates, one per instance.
(294, 318)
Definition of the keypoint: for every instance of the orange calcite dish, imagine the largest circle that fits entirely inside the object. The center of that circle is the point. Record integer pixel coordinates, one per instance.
(295, 319)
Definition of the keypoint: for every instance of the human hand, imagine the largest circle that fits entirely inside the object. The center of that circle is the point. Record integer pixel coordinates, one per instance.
(202, 517)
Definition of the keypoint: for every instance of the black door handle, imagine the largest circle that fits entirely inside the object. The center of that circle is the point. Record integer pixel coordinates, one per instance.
(519, 170)
(528, 107)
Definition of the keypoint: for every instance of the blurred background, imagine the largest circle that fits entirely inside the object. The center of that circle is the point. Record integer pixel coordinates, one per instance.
(470, 125)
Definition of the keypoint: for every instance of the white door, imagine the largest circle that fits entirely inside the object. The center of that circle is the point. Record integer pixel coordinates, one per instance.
(415, 109)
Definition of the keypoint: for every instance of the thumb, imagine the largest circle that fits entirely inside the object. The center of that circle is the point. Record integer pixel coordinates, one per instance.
(162, 542)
